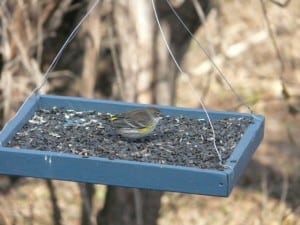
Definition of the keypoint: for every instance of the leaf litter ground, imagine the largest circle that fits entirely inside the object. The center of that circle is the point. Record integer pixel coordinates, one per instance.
(179, 141)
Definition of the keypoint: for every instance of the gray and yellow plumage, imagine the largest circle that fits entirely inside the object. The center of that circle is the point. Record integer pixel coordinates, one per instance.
(137, 123)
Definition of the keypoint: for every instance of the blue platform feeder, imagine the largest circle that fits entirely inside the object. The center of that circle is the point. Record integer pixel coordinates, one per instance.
(71, 167)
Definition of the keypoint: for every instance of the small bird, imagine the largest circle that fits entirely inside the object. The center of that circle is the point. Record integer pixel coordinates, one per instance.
(137, 123)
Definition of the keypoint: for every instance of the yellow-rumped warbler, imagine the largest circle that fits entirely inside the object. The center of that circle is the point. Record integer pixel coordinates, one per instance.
(137, 123)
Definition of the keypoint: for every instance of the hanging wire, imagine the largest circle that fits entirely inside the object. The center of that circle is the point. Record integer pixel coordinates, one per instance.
(186, 77)
(219, 71)
(54, 62)
(60, 52)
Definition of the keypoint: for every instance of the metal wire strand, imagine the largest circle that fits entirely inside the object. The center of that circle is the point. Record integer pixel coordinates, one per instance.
(60, 52)
(186, 77)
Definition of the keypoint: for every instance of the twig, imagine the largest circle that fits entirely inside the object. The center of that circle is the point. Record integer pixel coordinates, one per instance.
(265, 195)
(283, 196)
(40, 38)
(219, 71)
(92, 34)
(291, 137)
(138, 203)
(5, 219)
(56, 210)
(231, 52)
(211, 48)
(87, 192)
(67, 42)
(115, 59)
(284, 91)
(285, 4)
(207, 35)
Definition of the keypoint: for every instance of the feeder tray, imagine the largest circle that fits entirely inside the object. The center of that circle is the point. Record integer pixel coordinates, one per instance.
(78, 144)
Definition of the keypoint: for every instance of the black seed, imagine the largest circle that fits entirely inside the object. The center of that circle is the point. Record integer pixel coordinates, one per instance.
(178, 141)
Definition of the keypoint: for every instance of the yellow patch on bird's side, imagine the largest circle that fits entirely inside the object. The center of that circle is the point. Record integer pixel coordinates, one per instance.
(113, 118)
(146, 129)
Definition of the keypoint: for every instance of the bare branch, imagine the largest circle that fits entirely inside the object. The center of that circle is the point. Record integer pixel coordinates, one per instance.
(284, 91)
(284, 4)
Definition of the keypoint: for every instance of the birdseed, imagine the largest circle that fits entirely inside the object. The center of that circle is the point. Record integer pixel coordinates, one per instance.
(179, 141)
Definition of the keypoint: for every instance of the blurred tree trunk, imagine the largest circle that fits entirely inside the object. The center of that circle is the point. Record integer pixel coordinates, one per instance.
(147, 75)
(165, 70)
(87, 192)
(92, 30)
(133, 28)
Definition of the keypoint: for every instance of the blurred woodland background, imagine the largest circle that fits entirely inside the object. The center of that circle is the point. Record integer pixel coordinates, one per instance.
(119, 54)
